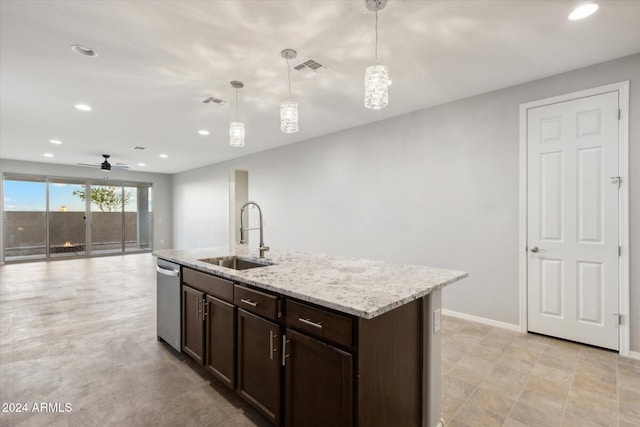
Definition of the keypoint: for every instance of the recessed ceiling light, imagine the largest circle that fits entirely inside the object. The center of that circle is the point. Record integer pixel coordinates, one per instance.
(583, 11)
(83, 107)
(164, 156)
(142, 164)
(55, 141)
(203, 132)
(83, 50)
(48, 155)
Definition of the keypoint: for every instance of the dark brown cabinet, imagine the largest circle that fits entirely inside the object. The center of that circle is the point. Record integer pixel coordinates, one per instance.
(209, 324)
(193, 323)
(304, 365)
(220, 344)
(318, 383)
(259, 364)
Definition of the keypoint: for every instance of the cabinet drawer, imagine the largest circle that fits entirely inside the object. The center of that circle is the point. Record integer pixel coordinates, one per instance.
(320, 323)
(261, 303)
(212, 285)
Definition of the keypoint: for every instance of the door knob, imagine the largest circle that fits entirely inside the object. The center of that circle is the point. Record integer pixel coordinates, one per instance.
(535, 249)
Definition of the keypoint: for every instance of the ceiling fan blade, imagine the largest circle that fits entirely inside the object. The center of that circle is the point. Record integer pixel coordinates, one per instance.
(87, 165)
(122, 167)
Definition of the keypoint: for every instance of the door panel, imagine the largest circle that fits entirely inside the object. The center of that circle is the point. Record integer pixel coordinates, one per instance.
(590, 197)
(319, 383)
(572, 152)
(259, 362)
(551, 285)
(551, 173)
(192, 323)
(221, 344)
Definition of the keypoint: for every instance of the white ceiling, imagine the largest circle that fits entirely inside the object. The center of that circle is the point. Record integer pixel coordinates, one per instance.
(158, 60)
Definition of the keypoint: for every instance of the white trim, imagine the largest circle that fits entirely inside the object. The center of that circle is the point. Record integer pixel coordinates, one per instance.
(623, 207)
(634, 355)
(483, 320)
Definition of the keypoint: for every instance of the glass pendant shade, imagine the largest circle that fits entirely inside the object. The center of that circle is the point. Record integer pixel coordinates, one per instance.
(236, 134)
(376, 87)
(289, 117)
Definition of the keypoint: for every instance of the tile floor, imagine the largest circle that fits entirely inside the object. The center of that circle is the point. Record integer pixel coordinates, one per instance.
(495, 377)
(83, 332)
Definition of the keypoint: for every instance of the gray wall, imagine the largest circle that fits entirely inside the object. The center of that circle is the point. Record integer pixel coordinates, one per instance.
(162, 191)
(436, 187)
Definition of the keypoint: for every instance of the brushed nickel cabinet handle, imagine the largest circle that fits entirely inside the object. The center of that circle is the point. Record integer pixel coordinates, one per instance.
(251, 303)
(311, 323)
(271, 350)
(284, 349)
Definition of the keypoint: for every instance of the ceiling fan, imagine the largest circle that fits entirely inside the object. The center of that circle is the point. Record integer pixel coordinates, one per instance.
(105, 166)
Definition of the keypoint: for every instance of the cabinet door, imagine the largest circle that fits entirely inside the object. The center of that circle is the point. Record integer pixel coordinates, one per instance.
(220, 330)
(259, 364)
(318, 383)
(193, 323)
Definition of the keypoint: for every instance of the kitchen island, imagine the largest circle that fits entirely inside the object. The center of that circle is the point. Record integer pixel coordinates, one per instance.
(316, 339)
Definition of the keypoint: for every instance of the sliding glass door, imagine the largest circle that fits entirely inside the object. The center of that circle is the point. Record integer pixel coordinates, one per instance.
(25, 218)
(67, 218)
(47, 218)
(138, 217)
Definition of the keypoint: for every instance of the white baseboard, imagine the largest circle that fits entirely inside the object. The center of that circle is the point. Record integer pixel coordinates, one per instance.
(483, 320)
(632, 354)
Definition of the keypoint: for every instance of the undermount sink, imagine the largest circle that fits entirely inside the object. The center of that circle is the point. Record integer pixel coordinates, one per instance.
(235, 262)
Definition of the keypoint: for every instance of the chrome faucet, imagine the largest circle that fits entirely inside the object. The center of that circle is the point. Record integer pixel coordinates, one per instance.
(263, 248)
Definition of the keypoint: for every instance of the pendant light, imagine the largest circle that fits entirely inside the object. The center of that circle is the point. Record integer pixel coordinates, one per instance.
(376, 77)
(289, 108)
(236, 128)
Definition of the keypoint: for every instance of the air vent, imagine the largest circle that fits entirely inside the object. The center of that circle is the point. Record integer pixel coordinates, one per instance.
(311, 65)
(137, 147)
(212, 100)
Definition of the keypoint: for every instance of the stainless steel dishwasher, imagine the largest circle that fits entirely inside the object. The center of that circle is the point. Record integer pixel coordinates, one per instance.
(168, 277)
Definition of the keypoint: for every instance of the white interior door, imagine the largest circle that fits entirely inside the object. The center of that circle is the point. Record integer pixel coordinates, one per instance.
(572, 217)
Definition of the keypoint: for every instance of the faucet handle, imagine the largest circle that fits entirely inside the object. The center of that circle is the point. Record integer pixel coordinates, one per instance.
(265, 248)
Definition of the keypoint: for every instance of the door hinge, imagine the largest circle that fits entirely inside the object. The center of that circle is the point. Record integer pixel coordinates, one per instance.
(616, 180)
(619, 113)
(619, 316)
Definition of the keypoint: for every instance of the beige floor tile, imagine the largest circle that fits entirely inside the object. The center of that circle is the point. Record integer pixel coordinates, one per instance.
(469, 375)
(456, 387)
(499, 403)
(548, 396)
(574, 421)
(506, 380)
(509, 422)
(585, 382)
(592, 406)
(629, 405)
(561, 376)
(559, 358)
(473, 415)
(629, 376)
(625, 423)
(533, 417)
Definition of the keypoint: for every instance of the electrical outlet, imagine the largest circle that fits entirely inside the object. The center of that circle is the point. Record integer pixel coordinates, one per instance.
(436, 321)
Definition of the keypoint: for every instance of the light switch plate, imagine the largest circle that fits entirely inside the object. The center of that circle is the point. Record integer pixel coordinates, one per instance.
(436, 321)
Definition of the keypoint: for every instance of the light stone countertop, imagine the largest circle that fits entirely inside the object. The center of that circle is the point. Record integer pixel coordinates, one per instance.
(360, 287)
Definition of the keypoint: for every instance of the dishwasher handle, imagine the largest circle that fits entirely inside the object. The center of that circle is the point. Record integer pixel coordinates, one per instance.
(167, 272)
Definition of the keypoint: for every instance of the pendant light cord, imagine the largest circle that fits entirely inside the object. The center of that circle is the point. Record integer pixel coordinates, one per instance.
(288, 77)
(236, 104)
(376, 36)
